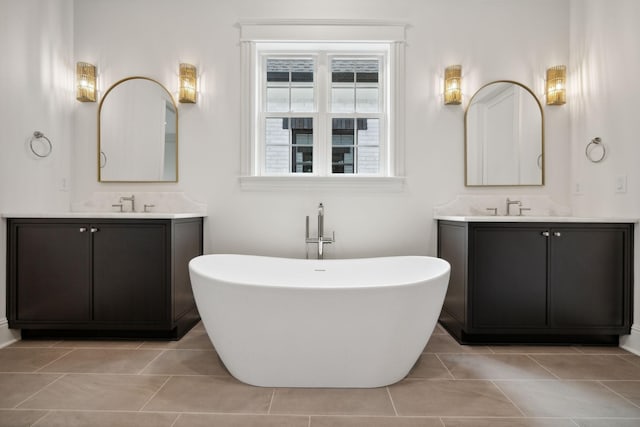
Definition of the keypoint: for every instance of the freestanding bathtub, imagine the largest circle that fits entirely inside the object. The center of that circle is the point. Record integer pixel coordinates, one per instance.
(278, 322)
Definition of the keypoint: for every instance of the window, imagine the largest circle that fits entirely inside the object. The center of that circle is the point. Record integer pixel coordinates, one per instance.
(322, 109)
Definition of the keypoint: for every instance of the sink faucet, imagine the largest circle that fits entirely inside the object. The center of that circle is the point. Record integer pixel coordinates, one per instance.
(511, 202)
(320, 240)
(131, 199)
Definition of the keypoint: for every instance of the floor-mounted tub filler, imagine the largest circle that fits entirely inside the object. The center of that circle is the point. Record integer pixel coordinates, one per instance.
(278, 322)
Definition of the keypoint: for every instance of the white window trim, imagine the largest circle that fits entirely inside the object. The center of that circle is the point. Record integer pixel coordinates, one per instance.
(253, 33)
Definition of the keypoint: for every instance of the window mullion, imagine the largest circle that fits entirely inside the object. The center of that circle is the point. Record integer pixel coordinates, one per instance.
(323, 139)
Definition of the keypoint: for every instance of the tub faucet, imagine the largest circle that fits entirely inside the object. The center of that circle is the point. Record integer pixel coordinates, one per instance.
(320, 240)
(131, 199)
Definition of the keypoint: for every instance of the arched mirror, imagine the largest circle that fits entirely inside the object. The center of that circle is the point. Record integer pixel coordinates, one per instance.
(504, 136)
(137, 133)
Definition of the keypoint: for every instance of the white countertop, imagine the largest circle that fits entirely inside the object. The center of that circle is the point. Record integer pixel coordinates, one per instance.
(524, 218)
(104, 215)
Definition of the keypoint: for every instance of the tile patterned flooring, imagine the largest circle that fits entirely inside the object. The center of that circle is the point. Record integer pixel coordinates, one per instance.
(183, 383)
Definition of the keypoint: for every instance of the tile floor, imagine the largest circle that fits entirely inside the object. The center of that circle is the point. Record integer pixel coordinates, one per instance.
(183, 383)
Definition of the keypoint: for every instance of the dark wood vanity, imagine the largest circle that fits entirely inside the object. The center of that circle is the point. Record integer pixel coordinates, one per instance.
(101, 277)
(537, 282)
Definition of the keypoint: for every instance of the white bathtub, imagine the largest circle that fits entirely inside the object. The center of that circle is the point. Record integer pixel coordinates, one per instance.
(278, 322)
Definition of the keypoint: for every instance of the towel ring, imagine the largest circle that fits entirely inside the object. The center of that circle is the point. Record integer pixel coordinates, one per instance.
(591, 146)
(36, 136)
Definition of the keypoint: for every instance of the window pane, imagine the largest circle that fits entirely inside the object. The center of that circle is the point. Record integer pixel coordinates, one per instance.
(290, 85)
(368, 159)
(342, 77)
(342, 159)
(368, 132)
(289, 145)
(301, 99)
(302, 76)
(277, 76)
(342, 100)
(349, 96)
(302, 159)
(276, 159)
(367, 100)
(278, 99)
(368, 77)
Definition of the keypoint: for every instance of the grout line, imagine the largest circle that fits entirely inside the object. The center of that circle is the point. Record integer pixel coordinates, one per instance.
(35, 424)
(176, 420)
(445, 367)
(309, 424)
(155, 394)
(150, 362)
(508, 398)
(393, 405)
(53, 361)
(42, 389)
(616, 393)
(543, 367)
(442, 422)
(273, 395)
(622, 359)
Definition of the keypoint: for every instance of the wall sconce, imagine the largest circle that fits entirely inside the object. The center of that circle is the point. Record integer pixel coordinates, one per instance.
(187, 84)
(452, 81)
(86, 82)
(556, 85)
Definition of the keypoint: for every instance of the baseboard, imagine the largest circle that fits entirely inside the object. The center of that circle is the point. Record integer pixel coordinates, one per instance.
(7, 336)
(631, 342)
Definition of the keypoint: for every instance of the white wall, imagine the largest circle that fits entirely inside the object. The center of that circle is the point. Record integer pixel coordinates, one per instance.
(492, 39)
(603, 101)
(36, 80)
(42, 39)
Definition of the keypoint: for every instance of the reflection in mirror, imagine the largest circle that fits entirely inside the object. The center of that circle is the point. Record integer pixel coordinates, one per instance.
(137, 133)
(504, 142)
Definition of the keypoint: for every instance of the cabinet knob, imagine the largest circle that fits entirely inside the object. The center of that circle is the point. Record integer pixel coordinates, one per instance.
(545, 233)
(557, 233)
(94, 229)
(82, 229)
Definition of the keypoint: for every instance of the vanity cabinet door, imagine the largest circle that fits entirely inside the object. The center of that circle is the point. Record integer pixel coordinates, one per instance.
(509, 277)
(49, 272)
(130, 270)
(587, 276)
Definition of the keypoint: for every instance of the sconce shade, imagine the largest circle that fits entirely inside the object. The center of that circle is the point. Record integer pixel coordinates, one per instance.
(556, 85)
(86, 82)
(187, 84)
(452, 89)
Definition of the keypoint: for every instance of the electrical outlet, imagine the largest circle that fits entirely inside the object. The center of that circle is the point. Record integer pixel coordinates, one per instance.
(621, 184)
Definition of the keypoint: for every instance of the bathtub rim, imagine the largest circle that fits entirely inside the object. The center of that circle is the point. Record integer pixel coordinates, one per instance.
(432, 277)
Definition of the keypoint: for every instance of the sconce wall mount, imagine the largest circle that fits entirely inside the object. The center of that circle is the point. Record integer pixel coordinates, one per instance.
(188, 79)
(556, 85)
(85, 82)
(452, 85)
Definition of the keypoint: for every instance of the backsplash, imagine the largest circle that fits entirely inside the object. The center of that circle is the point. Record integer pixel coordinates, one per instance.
(163, 202)
(466, 205)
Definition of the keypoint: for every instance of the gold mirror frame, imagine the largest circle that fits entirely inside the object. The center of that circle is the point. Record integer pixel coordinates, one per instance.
(100, 154)
(541, 157)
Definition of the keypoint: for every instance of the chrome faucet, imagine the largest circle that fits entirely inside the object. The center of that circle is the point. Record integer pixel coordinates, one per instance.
(511, 202)
(320, 240)
(131, 199)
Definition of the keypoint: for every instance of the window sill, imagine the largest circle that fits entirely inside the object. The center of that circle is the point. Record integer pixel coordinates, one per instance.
(361, 183)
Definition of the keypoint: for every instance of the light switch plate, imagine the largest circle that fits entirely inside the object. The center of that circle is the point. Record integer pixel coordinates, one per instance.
(621, 184)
